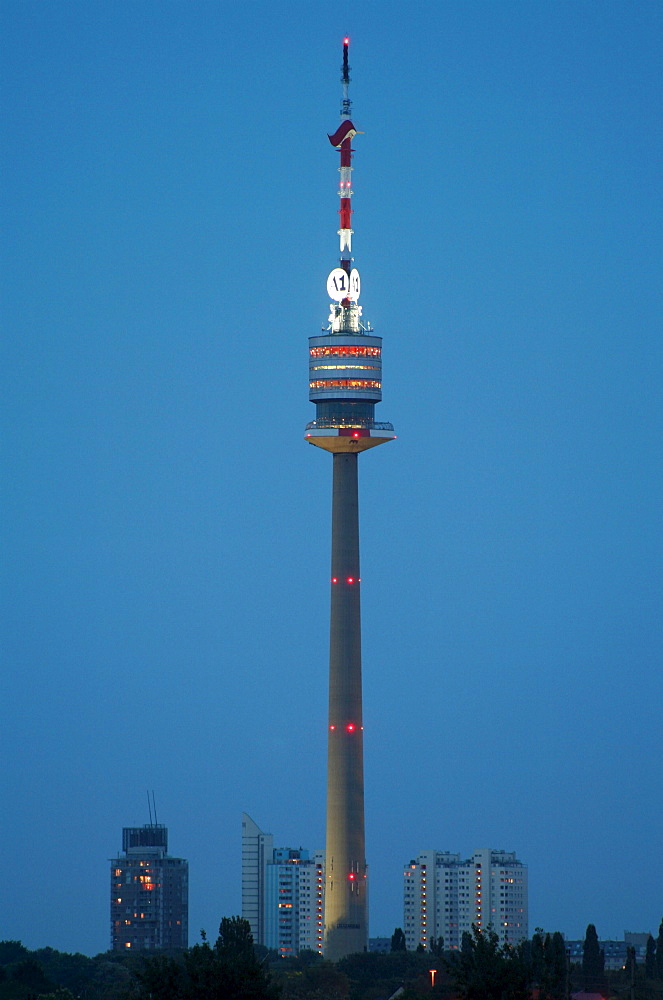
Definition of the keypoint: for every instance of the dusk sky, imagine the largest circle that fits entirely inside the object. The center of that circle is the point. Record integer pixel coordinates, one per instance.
(169, 216)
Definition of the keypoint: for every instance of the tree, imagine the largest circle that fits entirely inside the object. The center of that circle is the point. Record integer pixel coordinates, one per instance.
(12, 951)
(320, 981)
(593, 961)
(227, 971)
(485, 970)
(659, 952)
(466, 943)
(537, 957)
(436, 946)
(398, 940)
(372, 975)
(630, 962)
(650, 959)
(557, 967)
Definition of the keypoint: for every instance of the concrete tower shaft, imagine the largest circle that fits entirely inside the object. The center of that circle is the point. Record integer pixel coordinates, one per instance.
(346, 887)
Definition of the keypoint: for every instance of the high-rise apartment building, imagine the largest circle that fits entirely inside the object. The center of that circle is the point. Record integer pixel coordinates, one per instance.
(444, 896)
(294, 901)
(149, 906)
(282, 892)
(257, 850)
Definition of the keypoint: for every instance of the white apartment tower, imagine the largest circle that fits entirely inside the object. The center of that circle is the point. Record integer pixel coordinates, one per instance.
(444, 896)
(257, 850)
(282, 892)
(294, 901)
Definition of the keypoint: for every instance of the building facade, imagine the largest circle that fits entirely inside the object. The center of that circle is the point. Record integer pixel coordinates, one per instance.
(444, 896)
(149, 906)
(257, 850)
(294, 901)
(282, 892)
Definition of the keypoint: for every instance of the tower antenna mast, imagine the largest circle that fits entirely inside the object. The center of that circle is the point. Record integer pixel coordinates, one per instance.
(346, 103)
(342, 140)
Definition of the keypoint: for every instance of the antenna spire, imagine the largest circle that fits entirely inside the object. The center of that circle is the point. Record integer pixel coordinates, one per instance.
(346, 103)
(342, 140)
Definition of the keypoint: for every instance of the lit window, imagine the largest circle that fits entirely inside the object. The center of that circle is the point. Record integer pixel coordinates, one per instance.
(332, 368)
(345, 383)
(345, 351)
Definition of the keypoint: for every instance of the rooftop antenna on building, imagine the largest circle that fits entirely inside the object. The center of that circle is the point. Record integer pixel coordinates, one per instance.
(154, 803)
(149, 807)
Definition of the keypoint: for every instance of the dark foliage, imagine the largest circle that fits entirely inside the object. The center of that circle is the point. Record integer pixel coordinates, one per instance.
(436, 946)
(105, 977)
(398, 940)
(229, 970)
(486, 970)
(547, 955)
(659, 952)
(372, 975)
(319, 980)
(593, 962)
(24, 979)
(650, 958)
(12, 951)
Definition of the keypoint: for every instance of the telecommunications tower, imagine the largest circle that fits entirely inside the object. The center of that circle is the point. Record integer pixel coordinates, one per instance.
(345, 383)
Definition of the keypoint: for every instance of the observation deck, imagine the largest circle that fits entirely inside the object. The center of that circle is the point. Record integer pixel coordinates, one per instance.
(345, 383)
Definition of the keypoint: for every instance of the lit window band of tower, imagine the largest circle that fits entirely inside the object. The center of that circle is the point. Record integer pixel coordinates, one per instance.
(345, 383)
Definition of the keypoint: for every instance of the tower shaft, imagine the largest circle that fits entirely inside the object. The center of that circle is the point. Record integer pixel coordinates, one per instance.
(346, 888)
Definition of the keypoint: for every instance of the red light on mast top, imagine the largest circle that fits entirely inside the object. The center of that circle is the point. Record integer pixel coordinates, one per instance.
(346, 40)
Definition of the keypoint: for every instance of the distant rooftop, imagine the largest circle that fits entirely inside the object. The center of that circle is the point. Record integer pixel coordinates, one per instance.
(151, 835)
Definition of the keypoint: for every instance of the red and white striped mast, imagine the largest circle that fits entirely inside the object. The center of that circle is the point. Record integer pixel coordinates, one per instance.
(342, 140)
(347, 130)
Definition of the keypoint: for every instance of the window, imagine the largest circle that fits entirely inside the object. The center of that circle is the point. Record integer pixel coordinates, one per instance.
(355, 383)
(319, 368)
(345, 351)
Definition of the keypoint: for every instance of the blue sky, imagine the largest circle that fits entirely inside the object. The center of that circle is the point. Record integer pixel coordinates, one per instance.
(169, 214)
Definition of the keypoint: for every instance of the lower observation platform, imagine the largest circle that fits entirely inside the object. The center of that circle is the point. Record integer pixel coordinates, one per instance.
(348, 439)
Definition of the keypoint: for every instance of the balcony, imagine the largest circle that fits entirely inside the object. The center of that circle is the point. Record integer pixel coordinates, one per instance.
(360, 422)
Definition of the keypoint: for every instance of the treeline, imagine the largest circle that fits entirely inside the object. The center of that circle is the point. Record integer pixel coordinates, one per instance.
(232, 968)
(48, 974)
